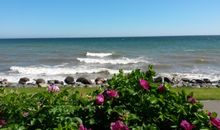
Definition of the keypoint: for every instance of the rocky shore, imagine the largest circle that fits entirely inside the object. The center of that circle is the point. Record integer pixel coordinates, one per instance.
(68, 81)
(85, 82)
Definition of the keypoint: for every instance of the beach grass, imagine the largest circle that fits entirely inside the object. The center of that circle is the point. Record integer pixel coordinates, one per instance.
(199, 93)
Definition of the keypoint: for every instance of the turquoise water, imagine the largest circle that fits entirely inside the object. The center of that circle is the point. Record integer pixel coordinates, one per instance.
(187, 56)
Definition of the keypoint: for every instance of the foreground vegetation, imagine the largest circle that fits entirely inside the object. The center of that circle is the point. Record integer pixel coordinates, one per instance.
(199, 93)
(130, 101)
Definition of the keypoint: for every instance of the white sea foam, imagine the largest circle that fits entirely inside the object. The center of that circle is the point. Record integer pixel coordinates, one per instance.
(98, 54)
(39, 70)
(122, 60)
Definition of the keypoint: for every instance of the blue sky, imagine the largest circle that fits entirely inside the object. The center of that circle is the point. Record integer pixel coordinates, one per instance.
(106, 18)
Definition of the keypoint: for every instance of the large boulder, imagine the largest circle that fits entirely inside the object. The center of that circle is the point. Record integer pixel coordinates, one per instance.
(199, 81)
(158, 79)
(69, 80)
(100, 81)
(84, 80)
(168, 80)
(185, 80)
(161, 79)
(40, 81)
(55, 82)
(207, 80)
(23, 80)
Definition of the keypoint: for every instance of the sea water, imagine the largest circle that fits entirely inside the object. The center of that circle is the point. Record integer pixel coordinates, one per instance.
(55, 58)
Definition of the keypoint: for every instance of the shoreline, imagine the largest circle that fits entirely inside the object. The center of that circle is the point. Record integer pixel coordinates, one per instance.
(83, 80)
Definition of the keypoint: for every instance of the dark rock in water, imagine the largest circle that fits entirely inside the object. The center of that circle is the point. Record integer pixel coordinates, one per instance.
(207, 80)
(100, 81)
(12, 85)
(185, 79)
(23, 80)
(50, 82)
(199, 81)
(158, 79)
(58, 82)
(195, 85)
(3, 81)
(162, 79)
(84, 80)
(69, 80)
(40, 81)
(55, 82)
(168, 80)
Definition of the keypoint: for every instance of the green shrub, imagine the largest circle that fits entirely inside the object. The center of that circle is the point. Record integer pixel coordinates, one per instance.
(129, 101)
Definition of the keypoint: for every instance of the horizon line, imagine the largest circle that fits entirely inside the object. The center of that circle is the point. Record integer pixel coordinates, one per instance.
(60, 37)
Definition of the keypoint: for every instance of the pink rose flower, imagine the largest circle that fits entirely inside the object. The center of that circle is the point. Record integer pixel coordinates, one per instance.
(53, 88)
(100, 99)
(112, 93)
(81, 127)
(215, 122)
(144, 84)
(118, 125)
(186, 125)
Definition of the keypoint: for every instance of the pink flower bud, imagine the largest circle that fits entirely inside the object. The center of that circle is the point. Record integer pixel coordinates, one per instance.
(161, 88)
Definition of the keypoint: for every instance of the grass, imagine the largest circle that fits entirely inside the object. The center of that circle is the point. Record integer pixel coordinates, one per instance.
(202, 93)
(33, 90)
(199, 93)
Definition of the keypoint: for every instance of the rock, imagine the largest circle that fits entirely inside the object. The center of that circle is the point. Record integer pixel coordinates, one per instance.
(55, 82)
(185, 79)
(30, 85)
(195, 85)
(69, 80)
(3, 83)
(42, 85)
(158, 79)
(199, 81)
(84, 80)
(161, 79)
(23, 80)
(203, 85)
(78, 84)
(100, 81)
(40, 81)
(168, 80)
(207, 80)
(12, 85)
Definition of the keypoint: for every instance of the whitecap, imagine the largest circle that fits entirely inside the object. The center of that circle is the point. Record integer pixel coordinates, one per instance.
(123, 60)
(98, 54)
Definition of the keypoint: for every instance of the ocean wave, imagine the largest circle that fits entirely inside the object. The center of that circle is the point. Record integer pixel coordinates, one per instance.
(49, 70)
(122, 60)
(98, 54)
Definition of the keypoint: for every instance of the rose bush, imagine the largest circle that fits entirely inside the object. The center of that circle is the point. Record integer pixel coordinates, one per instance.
(129, 101)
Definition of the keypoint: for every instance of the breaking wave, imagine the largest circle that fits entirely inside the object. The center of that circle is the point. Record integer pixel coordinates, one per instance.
(122, 60)
(98, 54)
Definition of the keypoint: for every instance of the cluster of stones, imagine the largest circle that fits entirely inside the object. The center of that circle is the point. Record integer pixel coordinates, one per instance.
(68, 81)
(185, 82)
(84, 82)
